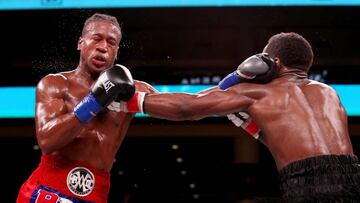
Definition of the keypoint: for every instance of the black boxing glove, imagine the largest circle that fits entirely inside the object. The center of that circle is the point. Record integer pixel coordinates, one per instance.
(115, 82)
(259, 68)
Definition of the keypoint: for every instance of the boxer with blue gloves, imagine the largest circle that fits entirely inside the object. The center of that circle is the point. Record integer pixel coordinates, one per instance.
(304, 122)
(259, 68)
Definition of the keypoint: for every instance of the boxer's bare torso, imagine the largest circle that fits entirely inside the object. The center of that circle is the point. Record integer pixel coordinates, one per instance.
(60, 132)
(299, 117)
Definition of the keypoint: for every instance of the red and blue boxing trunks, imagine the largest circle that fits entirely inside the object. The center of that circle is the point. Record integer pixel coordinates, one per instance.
(60, 180)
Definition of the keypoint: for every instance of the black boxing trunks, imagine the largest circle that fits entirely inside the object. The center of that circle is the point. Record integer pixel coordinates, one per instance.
(326, 178)
(61, 180)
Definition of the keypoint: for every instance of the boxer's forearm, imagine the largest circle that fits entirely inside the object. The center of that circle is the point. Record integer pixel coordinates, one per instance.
(58, 132)
(182, 106)
(169, 106)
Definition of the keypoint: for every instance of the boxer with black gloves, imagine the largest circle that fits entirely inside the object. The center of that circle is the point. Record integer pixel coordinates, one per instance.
(114, 83)
(78, 131)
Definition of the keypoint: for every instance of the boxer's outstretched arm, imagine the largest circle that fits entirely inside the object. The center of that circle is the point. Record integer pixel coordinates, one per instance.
(183, 106)
(211, 89)
(55, 125)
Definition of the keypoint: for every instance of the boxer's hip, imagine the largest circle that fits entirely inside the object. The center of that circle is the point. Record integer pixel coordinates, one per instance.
(324, 178)
(75, 181)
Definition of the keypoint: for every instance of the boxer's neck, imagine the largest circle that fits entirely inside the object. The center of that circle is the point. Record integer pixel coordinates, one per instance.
(293, 75)
(85, 76)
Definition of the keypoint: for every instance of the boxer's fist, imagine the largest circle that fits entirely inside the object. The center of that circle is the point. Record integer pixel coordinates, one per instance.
(259, 68)
(115, 82)
(264, 73)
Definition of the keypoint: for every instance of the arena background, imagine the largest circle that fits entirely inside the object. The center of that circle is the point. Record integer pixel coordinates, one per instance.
(162, 161)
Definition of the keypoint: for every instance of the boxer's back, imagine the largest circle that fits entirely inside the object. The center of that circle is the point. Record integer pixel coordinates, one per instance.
(301, 120)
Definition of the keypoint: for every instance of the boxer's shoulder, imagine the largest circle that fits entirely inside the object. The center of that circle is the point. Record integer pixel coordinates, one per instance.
(53, 83)
(256, 91)
(316, 84)
(318, 88)
(55, 78)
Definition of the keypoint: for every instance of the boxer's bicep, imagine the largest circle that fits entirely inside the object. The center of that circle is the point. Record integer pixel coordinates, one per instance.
(49, 102)
(46, 111)
(218, 103)
(55, 125)
(211, 89)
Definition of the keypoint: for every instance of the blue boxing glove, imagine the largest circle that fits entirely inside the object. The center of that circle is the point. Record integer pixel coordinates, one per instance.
(114, 83)
(259, 68)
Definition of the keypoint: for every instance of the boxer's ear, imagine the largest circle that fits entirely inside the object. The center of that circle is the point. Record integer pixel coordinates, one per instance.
(277, 60)
(80, 43)
(278, 63)
(117, 53)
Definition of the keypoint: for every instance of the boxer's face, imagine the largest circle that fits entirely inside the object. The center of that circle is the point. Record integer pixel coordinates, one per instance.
(99, 45)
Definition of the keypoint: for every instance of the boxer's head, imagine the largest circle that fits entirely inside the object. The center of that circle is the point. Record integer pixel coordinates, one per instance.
(100, 17)
(99, 42)
(292, 49)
